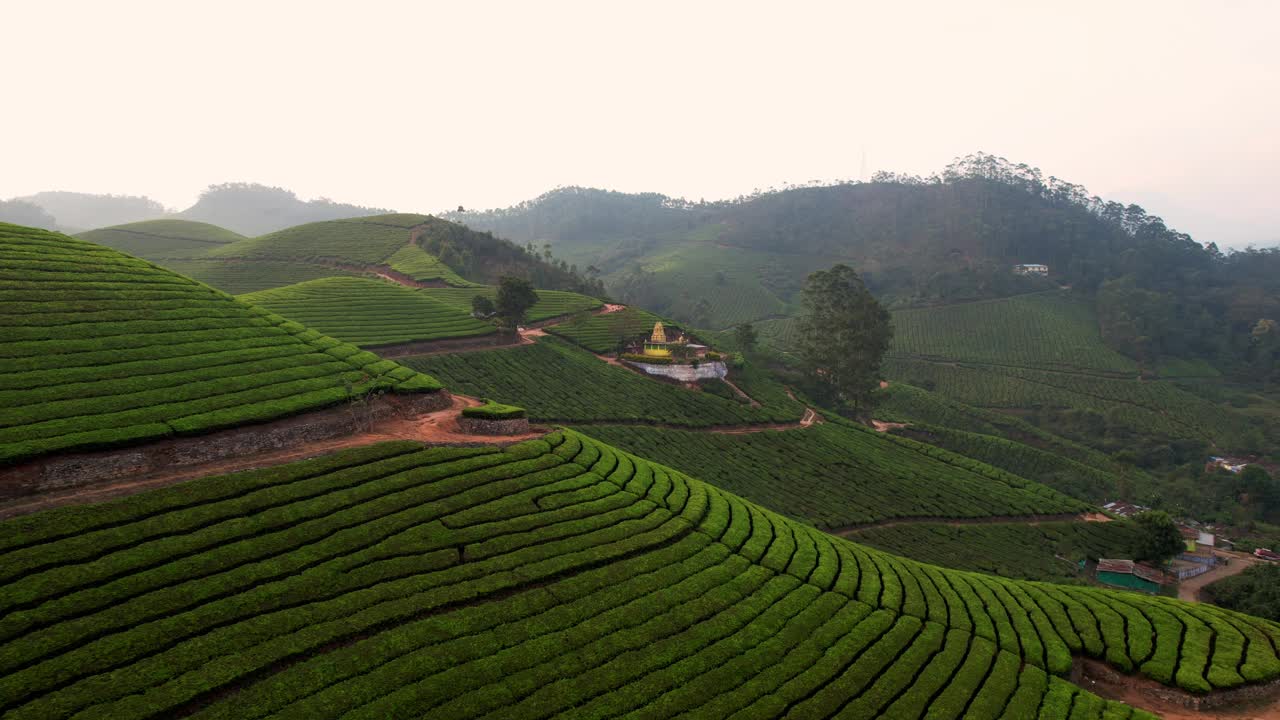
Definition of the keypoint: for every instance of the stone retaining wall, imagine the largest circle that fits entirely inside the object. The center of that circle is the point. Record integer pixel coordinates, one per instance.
(65, 471)
(713, 370)
(484, 426)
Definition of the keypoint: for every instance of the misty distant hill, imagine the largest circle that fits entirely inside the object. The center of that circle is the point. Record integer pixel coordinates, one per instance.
(21, 212)
(75, 211)
(246, 208)
(252, 209)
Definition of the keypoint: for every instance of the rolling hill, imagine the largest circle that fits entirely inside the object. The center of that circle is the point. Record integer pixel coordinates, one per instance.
(368, 312)
(419, 248)
(557, 577)
(160, 240)
(253, 209)
(102, 349)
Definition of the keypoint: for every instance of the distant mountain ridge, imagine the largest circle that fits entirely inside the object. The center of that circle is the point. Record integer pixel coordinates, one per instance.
(75, 211)
(247, 208)
(251, 209)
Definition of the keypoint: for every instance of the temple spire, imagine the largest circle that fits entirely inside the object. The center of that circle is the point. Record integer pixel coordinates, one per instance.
(659, 333)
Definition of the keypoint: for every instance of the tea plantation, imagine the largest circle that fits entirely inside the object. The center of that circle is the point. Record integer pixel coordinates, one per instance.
(363, 240)
(103, 349)
(239, 277)
(551, 303)
(557, 382)
(603, 333)
(159, 239)
(834, 475)
(1154, 408)
(369, 312)
(556, 577)
(1050, 330)
(1041, 551)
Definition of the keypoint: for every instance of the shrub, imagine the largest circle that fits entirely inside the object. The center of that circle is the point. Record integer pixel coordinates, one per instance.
(494, 411)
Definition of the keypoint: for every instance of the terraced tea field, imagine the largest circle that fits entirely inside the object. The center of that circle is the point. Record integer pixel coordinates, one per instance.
(162, 239)
(834, 475)
(551, 303)
(556, 577)
(364, 240)
(368, 312)
(603, 333)
(907, 404)
(422, 266)
(1050, 330)
(1156, 407)
(1041, 551)
(239, 277)
(103, 349)
(557, 382)
(1061, 473)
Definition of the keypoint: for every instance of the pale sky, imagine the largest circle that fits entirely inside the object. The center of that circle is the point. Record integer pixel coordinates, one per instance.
(424, 106)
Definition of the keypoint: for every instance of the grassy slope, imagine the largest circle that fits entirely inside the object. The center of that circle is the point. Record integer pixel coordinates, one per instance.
(163, 239)
(368, 312)
(558, 576)
(104, 349)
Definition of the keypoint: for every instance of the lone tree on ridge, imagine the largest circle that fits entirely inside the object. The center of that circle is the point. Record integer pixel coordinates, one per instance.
(843, 335)
(515, 297)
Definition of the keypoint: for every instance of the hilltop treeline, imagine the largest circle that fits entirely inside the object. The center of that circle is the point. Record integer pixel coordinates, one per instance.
(577, 214)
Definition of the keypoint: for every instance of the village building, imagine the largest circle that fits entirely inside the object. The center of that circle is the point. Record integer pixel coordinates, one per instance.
(1131, 575)
(1231, 465)
(1124, 509)
(1032, 269)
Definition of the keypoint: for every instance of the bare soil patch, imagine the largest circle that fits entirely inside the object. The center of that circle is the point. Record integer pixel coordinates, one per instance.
(1257, 702)
(882, 426)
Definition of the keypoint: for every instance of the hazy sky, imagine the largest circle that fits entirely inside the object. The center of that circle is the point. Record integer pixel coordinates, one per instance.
(425, 106)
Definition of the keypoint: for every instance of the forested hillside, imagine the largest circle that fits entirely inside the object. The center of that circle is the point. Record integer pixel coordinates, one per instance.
(946, 238)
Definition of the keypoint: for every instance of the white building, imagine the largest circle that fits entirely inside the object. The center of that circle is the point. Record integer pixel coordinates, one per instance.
(1032, 269)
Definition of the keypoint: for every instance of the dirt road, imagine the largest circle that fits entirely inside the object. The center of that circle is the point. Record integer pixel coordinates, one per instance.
(1189, 590)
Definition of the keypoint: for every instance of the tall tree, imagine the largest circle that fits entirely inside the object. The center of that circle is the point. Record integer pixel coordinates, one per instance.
(843, 335)
(515, 297)
(1159, 539)
(746, 336)
(482, 306)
